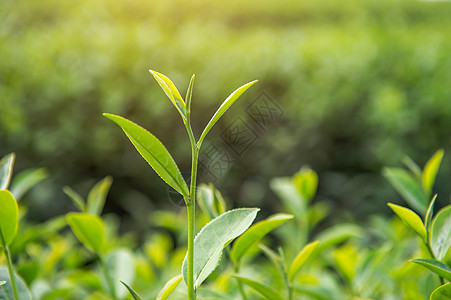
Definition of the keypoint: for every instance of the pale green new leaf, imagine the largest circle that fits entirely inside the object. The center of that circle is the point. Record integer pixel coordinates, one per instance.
(9, 216)
(264, 290)
(301, 259)
(169, 287)
(435, 266)
(306, 181)
(120, 266)
(2, 282)
(6, 291)
(88, 229)
(189, 93)
(410, 218)
(25, 180)
(154, 152)
(171, 91)
(429, 212)
(442, 292)
(441, 233)
(431, 169)
(97, 196)
(213, 238)
(408, 187)
(6, 170)
(131, 291)
(76, 198)
(255, 233)
(224, 107)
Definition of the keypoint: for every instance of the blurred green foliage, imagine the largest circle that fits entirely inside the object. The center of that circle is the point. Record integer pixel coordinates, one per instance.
(360, 83)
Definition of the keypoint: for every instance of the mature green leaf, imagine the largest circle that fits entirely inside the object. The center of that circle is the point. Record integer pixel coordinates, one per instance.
(264, 290)
(169, 287)
(442, 292)
(408, 187)
(306, 181)
(435, 266)
(255, 233)
(189, 93)
(213, 238)
(224, 107)
(154, 152)
(171, 91)
(301, 259)
(76, 198)
(441, 233)
(25, 180)
(6, 291)
(9, 216)
(431, 169)
(89, 230)
(429, 213)
(6, 170)
(97, 196)
(410, 218)
(120, 265)
(131, 291)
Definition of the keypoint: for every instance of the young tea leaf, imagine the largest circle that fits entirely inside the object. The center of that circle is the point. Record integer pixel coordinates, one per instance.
(88, 229)
(6, 170)
(171, 91)
(25, 180)
(213, 238)
(430, 170)
(76, 198)
(408, 187)
(224, 107)
(410, 218)
(306, 181)
(264, 290)
(301, 259)
(97, 196)
(9, 216)
(169, 287)
(429, 212)
(189, 94)
(255, 233)
(131, 291)
(435, 266)
(441, 233)
(442, 292)
(153, 151)
(6, 291)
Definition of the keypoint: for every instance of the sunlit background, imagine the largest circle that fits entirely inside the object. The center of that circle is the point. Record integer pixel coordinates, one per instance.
(357, 85)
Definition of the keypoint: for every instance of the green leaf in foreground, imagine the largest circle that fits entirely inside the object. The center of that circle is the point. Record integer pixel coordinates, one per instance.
(213, 238)
(169, 287)
(154, 152)
(431, 169)
(25, 180)
(408, 187)
(442, 292)
(131, 291)
(224, 107)
(97, 196)
(410, 218)
(435, 266)
(6, 289)
(88, 229)
(255, 233)
(264, 290)
(301, 259)
(441, 233)
(9, 216)
(6, 170)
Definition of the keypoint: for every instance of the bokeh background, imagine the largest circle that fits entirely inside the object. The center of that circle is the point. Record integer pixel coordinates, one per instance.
(360, 85)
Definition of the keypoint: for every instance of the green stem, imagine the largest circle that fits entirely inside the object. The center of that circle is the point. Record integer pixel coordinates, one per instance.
(442, 281)
(108, 278)
(9, 262)
(240, 285)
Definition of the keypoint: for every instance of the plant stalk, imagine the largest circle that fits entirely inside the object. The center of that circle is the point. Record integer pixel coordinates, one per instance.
(108, 278)
(442, 281)
(9, 262)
